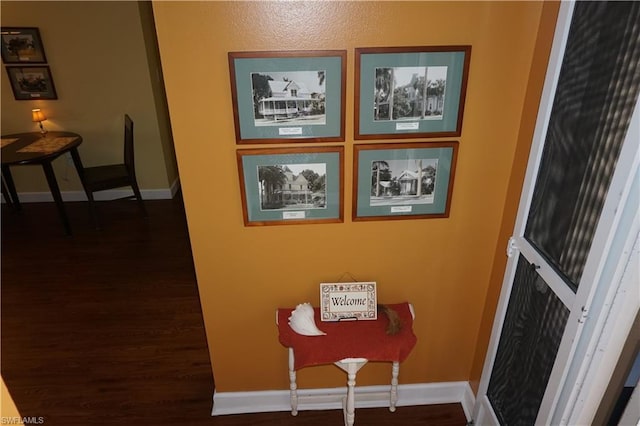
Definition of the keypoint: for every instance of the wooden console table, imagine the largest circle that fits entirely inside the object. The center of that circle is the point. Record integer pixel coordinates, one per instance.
(349, 345)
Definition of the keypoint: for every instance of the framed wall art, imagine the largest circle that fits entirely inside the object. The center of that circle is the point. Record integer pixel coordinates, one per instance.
(282, 186)
(410, 92)
(403, 181)
(288, 96)
(31, 82)
(21, 45)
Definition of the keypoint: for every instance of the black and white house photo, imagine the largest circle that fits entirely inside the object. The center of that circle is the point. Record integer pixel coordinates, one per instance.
(398, 182)
(292, 97)
(409, 93)
(292, 186)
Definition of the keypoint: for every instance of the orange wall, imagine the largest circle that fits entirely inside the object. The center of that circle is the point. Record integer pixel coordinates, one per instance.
(442, 266)
(8, 407)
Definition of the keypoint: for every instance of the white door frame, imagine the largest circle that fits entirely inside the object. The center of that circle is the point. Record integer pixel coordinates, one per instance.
(483, 412)
(566, 396)
(617, 297)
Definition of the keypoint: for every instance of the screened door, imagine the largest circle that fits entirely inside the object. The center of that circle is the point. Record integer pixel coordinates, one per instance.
(567, 212)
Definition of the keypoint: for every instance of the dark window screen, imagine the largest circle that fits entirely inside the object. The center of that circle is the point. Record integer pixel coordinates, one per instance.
(596, 93)
(529, 342)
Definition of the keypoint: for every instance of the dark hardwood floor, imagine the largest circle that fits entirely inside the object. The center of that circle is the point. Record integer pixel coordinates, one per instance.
(105, 327)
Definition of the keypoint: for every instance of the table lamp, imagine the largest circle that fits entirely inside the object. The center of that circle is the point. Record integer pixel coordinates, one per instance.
(38, 116)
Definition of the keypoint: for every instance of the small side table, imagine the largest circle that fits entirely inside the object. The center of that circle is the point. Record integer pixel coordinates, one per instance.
(349, 345)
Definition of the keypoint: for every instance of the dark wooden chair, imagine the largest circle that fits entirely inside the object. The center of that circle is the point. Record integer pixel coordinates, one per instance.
(111, 176)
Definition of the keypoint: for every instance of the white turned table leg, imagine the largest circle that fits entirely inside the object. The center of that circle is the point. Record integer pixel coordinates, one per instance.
(292, 384)
(395, 369)
(351, 367)
(351, 383)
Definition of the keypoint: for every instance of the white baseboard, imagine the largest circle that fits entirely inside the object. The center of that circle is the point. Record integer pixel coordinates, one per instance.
(331, 398)
(112, 194)
(484, 414)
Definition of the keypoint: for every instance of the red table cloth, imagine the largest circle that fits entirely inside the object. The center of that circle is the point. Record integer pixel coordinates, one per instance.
(349, 339)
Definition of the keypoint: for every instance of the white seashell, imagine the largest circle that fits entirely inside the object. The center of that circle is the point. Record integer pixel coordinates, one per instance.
(302, 321)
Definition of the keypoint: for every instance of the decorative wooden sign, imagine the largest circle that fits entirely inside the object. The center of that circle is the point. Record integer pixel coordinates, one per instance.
(348, 301)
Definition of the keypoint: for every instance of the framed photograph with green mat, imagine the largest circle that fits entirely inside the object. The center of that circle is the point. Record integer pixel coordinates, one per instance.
(288, 96)
(285, 186)
(410, 92)
(403, 181)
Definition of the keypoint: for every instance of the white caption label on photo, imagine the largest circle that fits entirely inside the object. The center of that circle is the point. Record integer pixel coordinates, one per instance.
(289, 131)
(407, 126)
(401, 209)
(293, 215)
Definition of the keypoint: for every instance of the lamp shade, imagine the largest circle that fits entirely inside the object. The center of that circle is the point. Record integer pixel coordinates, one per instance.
(37, 115)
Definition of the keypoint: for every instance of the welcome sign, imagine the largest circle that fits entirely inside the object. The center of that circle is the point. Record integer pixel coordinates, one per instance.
(348, 301)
